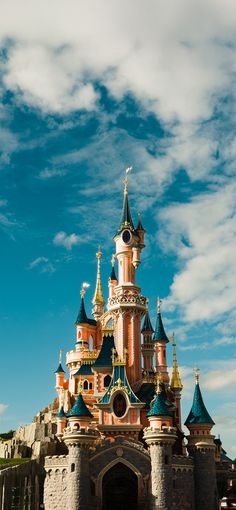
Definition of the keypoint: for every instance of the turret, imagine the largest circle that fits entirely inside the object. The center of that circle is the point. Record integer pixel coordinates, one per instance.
(84, 326)
(60, 373)
(160, 437)
(79, 437)
(61, 423)
(160, 340)
(98, 299)
(176, 385)
(202, 447)
(147, 346)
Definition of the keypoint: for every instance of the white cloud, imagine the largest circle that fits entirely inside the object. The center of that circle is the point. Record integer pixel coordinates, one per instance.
(202, 233)
(174, 68)
(3, 408)
(68, 241)
(44, 264)
(48, 174)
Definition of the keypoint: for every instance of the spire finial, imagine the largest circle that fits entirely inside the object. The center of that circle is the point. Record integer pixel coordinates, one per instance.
(158, 383)
(84, 286)
(196, 370)
(175, 379)
(98, 299)
(126, 179)
(60, 355)
(159, 305)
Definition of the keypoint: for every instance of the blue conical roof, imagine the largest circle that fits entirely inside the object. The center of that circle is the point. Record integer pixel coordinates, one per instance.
(79, 408)
(126, 218)
(61, 413)
(59, 369)
(82, 316)
(113, 274)
(147, 325)
(198, 413)
(104, 358)
(159, 406)
(160, 334)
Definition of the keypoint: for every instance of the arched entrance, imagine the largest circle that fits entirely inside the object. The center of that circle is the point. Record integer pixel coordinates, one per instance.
(120, 488)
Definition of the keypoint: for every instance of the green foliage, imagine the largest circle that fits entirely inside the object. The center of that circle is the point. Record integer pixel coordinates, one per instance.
(12, 462)
(7, 435)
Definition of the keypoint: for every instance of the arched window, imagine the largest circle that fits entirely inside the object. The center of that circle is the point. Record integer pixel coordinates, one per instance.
(90, 343)
(106, 381)
(85, 385)
(90, 385)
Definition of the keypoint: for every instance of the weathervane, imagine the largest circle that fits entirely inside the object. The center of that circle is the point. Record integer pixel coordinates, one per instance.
(126, 180)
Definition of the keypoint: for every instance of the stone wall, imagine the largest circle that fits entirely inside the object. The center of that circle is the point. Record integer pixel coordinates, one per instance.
(183, 483)
(55, 493)
(21, 487)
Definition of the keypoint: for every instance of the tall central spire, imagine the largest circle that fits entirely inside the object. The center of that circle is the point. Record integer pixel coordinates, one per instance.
(98, 299)
(126, 218)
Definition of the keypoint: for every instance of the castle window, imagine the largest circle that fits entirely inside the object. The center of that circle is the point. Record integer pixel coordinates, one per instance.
(106, 381)
(166, 459)
(119, 405)
(72, 468)
(85, 385)
(90, 385)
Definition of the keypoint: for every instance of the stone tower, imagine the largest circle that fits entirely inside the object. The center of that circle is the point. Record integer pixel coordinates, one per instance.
(202, 448)
(160, 437)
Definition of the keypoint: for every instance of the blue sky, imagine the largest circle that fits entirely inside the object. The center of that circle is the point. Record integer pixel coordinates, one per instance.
(87, 90)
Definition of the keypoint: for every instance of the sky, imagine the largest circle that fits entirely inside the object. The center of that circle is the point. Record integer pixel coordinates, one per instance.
(87, 89)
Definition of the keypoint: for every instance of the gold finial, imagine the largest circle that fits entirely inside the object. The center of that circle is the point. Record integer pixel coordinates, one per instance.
(98, 299)
(158, 383)
(126, 180)
(60, 355)
(159, 305)
(175, 379)
(113, 355)
(84, 286)
(196, 370)
(119, 360)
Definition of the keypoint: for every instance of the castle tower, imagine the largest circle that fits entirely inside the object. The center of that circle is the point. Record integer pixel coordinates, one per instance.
(127, 305)
(202, 447)
(61, 422)
(176, 385)
(60, 379)
(147, 346)
(160, 437)
(85, 327)
(160, 340)
(98, 299)
(79, 438)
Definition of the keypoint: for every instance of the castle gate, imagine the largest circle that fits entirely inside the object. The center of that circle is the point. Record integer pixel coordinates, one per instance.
(119, 488)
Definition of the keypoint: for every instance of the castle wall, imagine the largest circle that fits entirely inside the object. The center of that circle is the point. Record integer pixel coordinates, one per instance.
(183, 483)
(21, 486)
(55, 486)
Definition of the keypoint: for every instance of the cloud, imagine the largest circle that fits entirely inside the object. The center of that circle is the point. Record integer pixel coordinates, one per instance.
(68, 241)
(202, 233)
(3, 408)
(173, 68)
(44, 264)
(48, 174)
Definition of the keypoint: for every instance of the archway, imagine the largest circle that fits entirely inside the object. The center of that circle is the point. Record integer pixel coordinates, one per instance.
(120, 488)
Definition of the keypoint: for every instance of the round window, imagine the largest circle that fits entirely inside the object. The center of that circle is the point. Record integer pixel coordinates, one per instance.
(126, 236)
(119, 405)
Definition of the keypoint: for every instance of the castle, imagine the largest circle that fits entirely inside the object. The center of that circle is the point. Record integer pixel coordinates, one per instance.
(119, 439)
